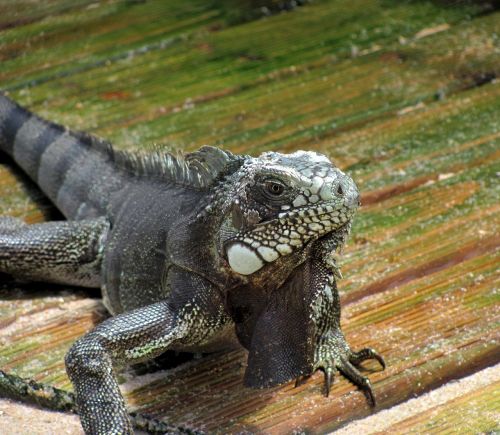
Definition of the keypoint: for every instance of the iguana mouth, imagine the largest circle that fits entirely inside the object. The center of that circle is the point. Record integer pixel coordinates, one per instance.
(249, 252)
(306, 214)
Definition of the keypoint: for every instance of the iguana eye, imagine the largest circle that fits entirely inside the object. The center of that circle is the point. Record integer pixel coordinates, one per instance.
(275, 188)
(340, 190)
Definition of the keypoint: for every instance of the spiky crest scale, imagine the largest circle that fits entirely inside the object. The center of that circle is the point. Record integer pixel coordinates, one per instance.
(199, 169)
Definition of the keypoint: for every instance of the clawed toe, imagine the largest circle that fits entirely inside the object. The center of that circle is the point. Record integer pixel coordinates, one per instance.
(353, 374)
(328, 380)
(335, 354)
(367, 353)
(301, 380)
(368, 392)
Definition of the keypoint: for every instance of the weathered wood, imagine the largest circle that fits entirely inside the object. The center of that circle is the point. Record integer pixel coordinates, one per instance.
(404, 96)
(475, 412)
(479, 409)
(468, 405)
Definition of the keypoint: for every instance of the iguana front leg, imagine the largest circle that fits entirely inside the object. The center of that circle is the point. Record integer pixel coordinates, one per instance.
(135, 336)
(332, 351)
(66, 252)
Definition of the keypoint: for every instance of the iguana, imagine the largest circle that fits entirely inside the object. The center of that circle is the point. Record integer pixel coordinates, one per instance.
(195, 252)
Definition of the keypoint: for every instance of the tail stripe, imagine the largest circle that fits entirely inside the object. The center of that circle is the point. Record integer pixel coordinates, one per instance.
(48, 136)
(30, 143)
(82, 188)
(55, 162)
(12, 117)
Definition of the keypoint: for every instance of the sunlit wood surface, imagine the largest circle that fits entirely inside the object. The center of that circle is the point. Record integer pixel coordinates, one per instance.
(404, 96)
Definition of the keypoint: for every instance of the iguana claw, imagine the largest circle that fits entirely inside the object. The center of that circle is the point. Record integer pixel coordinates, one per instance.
(301, 379)
(357, 358)
(328, 380)
(334, 353)
(353, 374)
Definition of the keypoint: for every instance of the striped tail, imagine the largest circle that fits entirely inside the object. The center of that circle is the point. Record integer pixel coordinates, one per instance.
(71, 168)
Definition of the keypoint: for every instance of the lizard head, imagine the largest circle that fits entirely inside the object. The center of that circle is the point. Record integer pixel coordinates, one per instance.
(284, 216)
(281, 203)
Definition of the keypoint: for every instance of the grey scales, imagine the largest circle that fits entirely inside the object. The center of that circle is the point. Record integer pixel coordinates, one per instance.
(193, 252)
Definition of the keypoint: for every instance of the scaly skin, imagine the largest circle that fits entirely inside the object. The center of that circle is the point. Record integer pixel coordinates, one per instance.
(198, 253)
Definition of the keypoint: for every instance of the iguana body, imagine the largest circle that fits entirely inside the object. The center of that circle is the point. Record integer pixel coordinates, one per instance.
(199, 252)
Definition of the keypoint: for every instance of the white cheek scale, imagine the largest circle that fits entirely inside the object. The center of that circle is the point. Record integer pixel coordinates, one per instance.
(243, 260)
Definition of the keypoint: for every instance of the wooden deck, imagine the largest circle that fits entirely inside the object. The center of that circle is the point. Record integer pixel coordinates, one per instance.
(405, 96)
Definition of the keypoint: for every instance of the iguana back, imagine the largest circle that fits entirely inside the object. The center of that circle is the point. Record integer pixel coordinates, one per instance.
(80, 173)
(142, 197)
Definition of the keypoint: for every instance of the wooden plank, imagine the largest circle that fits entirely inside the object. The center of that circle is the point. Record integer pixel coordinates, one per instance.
(465, 410)
(472, 413)
(404, 97)
(469, 405)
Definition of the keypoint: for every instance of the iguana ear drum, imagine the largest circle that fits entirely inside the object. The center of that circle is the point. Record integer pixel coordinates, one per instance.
(243, 259)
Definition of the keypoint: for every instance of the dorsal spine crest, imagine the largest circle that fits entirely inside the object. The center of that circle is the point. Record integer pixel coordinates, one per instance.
(199, 169)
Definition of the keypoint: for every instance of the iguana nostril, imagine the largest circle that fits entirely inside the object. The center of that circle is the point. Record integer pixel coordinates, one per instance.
(340, 190)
